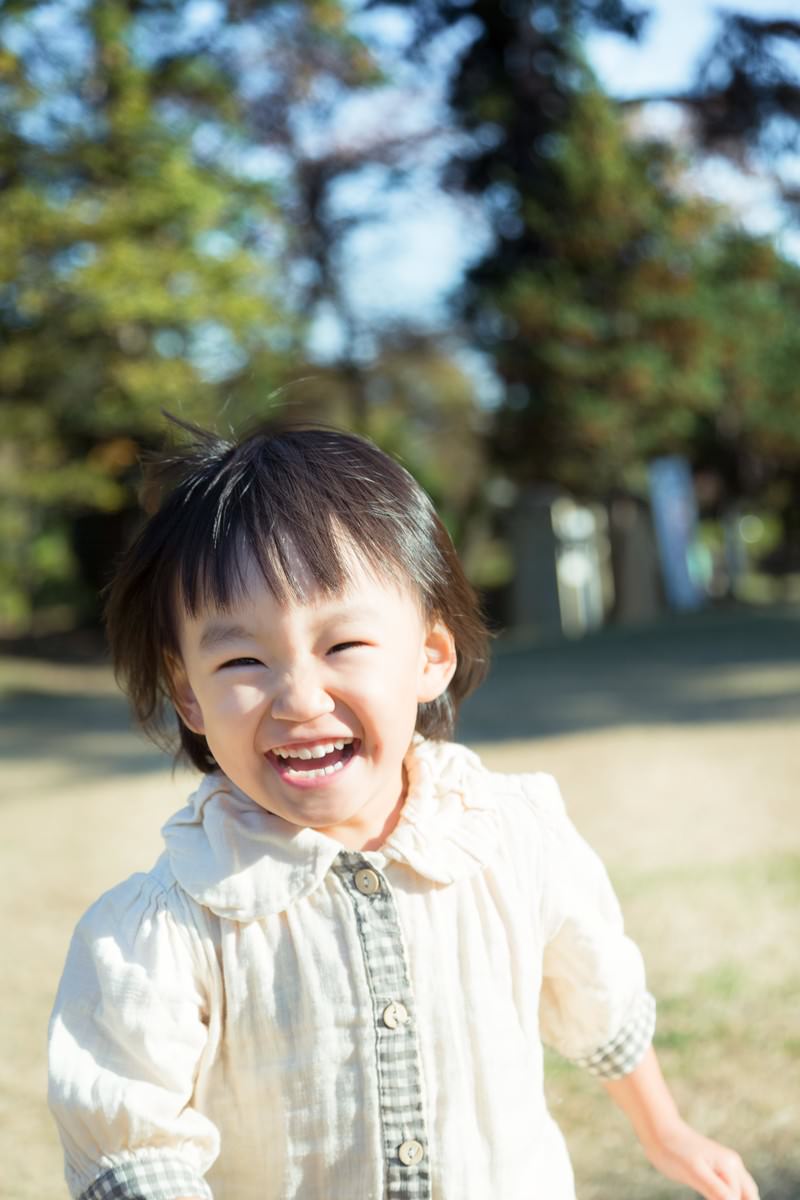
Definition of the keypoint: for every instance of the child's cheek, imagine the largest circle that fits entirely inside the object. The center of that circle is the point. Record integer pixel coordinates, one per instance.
(239, 700)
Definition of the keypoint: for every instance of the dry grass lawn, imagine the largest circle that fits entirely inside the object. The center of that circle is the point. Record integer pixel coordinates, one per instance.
(701, 833)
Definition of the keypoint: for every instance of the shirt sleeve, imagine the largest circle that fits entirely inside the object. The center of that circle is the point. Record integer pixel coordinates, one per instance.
(594, 1008)
(127, 1033)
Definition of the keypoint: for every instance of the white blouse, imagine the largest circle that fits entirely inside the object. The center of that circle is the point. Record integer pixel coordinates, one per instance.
(268, 1016)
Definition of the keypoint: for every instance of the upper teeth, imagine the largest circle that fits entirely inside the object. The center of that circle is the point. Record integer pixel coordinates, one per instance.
(317, 751)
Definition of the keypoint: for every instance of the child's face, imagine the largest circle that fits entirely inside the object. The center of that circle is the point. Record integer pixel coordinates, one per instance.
(271, 684)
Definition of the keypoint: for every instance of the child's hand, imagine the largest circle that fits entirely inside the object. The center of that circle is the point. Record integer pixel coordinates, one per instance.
(714, 1171)
(673, 1147)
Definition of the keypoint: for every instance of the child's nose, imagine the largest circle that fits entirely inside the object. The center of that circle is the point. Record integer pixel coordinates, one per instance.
(300, 697)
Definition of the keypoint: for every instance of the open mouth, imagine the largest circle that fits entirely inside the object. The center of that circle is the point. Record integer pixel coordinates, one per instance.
(317, 761)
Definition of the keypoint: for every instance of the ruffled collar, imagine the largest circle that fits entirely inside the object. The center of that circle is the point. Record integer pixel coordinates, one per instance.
(242, 862)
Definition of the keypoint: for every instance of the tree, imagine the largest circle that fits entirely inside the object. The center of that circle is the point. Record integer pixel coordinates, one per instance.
(602, 299)
(752, 438)
(511, 89)
(745, 100)
(607, 343)
(143, 260)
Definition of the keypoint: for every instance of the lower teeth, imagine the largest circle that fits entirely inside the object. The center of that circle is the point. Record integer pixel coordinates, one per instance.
(315, 774)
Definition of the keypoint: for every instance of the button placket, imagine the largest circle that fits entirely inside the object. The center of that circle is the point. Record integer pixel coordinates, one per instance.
(398, 1065)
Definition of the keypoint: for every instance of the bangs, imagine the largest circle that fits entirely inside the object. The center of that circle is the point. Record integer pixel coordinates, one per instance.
(295, 522)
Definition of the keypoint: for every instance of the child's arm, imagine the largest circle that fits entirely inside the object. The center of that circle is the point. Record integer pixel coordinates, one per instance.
(128, 1032)
(595, 1011)
(673, 1147)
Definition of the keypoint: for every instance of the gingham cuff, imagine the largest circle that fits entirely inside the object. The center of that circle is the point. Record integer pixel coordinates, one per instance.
(626, 1049)
(148, 1179)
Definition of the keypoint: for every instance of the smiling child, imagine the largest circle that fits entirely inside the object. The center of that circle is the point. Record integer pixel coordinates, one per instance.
(338, 977)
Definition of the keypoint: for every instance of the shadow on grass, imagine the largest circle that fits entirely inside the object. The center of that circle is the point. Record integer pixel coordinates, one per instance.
(778, 1185)
(90, 733)
(773, 1184)
(714, 667)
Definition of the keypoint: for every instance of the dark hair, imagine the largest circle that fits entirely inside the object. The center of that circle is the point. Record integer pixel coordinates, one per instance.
(280, 488)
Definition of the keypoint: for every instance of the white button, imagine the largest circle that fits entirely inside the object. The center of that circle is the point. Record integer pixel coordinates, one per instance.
(395, 1014)
(411, 1153)
(367, 882)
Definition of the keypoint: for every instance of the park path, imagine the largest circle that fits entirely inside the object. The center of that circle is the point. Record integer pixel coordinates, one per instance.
(678, 751)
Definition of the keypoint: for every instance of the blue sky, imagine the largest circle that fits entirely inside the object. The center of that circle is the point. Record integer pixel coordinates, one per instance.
(675, 37)
(404, 263)
(664, 61)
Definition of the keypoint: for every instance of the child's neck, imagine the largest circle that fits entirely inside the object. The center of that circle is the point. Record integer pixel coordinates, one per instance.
(366, 834)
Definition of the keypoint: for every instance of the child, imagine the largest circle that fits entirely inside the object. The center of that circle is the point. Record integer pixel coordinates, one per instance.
(336, 980)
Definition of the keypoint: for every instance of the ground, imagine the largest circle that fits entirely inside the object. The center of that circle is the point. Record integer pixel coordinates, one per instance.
(677, 750)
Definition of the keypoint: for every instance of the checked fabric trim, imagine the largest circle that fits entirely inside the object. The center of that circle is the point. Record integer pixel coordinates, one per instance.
(149, 1179)
(398, 1063)
(623, 1053)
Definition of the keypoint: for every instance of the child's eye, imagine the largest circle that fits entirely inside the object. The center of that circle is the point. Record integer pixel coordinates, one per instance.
(240, 662)
(344, 646)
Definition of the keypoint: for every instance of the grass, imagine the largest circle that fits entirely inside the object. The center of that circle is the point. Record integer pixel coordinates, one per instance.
(727, 1034)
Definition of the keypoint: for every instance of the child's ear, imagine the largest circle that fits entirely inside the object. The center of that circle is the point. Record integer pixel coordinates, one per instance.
(183, 697)
(438, 664)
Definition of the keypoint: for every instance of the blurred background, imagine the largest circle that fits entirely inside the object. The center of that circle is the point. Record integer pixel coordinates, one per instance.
(535, 249)
(548, 254)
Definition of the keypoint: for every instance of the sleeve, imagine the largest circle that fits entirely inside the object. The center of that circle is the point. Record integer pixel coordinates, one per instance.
(594, 1008)
(127, 1033)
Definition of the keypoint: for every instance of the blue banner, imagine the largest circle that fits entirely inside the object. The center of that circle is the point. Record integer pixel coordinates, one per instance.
(674, 506)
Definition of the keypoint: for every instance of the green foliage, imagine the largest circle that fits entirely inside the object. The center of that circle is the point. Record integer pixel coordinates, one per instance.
(147, 262)
(138, 270)
(757, 294)
(625, 316)
(655, 329)
(610, 357)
